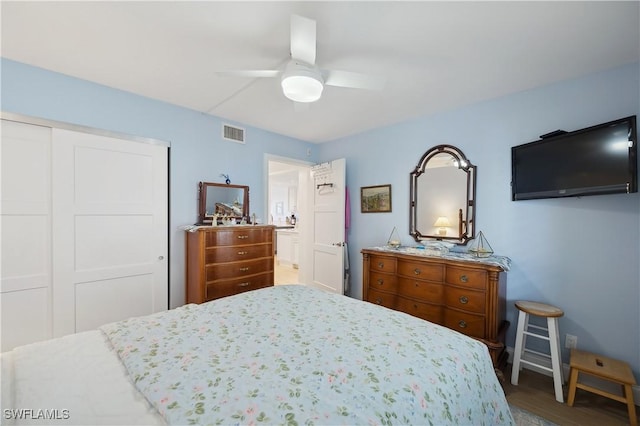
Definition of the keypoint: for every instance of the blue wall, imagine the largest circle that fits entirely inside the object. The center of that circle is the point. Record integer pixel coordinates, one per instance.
(582, 254)
(198, 152)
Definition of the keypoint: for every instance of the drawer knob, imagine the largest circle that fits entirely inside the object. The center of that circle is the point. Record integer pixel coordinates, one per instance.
(380, 281)
(380, 265)
(462, 324)
(378, 301)
(464, 278)
(243, 237)
(464, 300)
(243, 284)
(242, 252)
(417, 271)
(245, 269)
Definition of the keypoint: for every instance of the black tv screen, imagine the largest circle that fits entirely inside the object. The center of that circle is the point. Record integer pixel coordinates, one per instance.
(600, 159)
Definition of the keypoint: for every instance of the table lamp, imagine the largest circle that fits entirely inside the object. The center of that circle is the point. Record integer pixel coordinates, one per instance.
(442, 223)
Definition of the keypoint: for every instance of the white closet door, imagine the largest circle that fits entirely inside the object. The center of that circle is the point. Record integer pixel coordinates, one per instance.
(25, 221)
(110, 209)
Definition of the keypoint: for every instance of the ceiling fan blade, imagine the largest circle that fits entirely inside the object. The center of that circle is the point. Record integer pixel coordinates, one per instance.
(303, 39)
(353, 80)
(249, 73)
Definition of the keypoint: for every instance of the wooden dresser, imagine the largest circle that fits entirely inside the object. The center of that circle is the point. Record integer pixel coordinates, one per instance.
(222, 261)
(466, 296)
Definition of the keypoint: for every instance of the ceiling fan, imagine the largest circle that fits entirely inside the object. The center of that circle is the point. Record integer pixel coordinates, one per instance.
(301, 79)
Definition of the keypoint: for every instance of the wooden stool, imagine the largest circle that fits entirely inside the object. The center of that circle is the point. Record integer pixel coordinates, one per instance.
(604, 368)
(551, 313)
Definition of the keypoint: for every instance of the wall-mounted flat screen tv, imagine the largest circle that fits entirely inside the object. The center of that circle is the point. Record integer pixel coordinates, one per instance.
(597, 160)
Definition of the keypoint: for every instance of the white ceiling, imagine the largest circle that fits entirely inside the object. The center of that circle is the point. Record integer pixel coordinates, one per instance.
(435, 55)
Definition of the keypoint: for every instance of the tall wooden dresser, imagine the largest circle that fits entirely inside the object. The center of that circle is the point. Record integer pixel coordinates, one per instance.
(226, 260)
(466, 296)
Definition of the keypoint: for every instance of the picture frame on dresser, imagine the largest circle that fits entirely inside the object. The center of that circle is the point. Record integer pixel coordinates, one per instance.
(375, 199)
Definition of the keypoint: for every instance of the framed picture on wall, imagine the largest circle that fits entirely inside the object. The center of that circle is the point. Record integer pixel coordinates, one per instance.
(375, 199)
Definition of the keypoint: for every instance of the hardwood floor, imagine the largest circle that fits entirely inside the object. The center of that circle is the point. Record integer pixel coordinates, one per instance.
(535, 393)
(285, 274)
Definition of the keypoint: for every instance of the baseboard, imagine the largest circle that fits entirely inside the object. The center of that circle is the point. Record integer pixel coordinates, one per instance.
(590, 380)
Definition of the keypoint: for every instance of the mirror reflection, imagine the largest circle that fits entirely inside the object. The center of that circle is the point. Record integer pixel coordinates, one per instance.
(218, 200)
(443, 196)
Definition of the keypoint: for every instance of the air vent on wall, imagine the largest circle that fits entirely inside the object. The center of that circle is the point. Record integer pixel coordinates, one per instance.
(231, 133)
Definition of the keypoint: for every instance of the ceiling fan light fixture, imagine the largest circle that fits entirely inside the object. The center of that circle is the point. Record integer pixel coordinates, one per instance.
(301, 88)
(302, 83)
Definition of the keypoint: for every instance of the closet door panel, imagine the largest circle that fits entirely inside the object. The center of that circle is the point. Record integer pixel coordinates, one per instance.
(26, 169)
(25, 252)
(130, 176)
(25, 220)
(111, 217)
(103, 301)
(25, 317)
(112, 241)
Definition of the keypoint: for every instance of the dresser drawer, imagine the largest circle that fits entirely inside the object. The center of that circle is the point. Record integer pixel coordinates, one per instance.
(225, 288)
(472, 278)
(237, 253)
(223, 271)
(382, 264)
(422, 310)
(383, 282)
(468, 300)
(387, 300)
(423, 271)
(469, 324)
(238, 236)
(423, 290)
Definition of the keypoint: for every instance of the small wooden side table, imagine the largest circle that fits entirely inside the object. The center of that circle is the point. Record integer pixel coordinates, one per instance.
(603, 368)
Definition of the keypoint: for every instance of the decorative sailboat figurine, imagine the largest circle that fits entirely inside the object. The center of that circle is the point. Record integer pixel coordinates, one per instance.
(394, 239)
(481, 247)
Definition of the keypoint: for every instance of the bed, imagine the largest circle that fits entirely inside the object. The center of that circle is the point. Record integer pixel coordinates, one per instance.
(279, 355)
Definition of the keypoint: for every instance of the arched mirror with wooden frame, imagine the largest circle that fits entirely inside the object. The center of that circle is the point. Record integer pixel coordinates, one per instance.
(222, 200)
(442, 197)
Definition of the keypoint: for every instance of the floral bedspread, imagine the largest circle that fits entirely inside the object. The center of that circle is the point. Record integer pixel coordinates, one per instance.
(295, 355)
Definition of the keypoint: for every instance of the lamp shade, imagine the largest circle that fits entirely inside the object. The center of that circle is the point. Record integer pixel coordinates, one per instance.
(442, 222)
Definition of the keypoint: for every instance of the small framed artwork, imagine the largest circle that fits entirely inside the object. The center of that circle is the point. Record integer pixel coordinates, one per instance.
(375, 199)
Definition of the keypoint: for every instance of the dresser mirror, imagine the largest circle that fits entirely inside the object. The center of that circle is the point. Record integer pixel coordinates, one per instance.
(222, 201)
(442, 197)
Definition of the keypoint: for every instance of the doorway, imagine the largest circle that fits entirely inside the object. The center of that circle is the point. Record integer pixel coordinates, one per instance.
(287, 210)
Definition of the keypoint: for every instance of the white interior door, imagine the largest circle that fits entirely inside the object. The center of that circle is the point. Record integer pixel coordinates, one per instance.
(328, 245)
(110, 240)
(25, 226)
